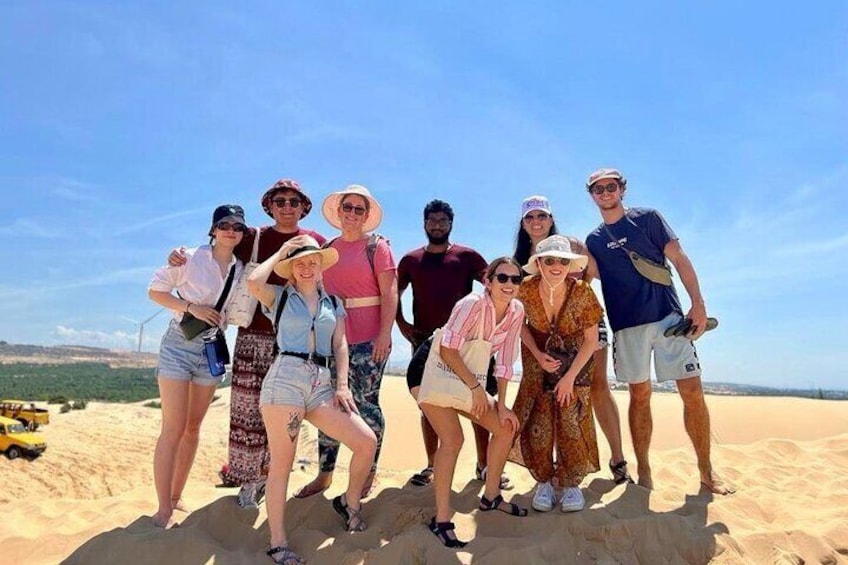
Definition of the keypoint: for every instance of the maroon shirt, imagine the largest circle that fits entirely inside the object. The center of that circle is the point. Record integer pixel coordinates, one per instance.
(270, 241)
(438, 281)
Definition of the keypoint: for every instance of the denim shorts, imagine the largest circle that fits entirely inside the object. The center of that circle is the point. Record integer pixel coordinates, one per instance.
(675, 358)
(293, 381)
(181, 359)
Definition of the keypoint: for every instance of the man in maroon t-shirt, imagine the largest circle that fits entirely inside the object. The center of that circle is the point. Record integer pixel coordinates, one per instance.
(440, 273)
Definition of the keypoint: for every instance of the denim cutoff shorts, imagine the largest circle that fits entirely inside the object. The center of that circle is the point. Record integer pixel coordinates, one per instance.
(296, 382)
(181, 359)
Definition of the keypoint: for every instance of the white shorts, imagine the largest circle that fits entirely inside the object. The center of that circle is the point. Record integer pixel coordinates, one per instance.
(675, 358)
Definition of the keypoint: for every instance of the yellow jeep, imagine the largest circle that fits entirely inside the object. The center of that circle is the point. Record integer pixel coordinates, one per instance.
(16, 441)
(25, 412)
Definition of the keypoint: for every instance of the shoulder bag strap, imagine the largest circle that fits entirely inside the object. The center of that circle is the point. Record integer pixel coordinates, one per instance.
(227, 286)
(254, 255)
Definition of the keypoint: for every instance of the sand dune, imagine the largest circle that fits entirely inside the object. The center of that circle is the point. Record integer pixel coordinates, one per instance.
(88, 500)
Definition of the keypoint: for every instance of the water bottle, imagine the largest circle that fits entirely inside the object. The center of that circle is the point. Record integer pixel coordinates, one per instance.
(216, 354)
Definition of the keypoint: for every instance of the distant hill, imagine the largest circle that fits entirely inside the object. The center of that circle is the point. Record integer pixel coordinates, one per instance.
(66, 354)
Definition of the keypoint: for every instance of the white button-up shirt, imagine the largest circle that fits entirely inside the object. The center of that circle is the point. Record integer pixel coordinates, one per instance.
(198, 281)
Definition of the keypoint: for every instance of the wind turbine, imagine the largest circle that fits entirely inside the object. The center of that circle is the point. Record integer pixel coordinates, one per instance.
(141, 325)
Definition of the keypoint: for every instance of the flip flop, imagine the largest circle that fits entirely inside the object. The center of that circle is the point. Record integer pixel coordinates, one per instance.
(422, 478)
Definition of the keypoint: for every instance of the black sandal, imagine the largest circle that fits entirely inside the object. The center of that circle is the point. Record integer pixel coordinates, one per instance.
(288, 556)
(353, 520)
(441, 530)
(620, 475)
(487, 505)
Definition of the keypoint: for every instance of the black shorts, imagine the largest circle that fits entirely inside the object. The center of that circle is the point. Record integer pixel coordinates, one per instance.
(415, 371)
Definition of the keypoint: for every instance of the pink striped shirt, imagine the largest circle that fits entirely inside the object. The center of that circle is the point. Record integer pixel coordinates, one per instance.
(505, 337)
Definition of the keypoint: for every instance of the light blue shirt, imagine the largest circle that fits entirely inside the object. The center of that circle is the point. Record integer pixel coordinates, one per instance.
(296, 321)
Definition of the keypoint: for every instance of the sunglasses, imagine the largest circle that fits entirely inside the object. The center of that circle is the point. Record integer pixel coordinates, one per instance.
(600, 188)
(549, 261)
(539, 216)
(227, 226)
(503, 278)
(294, 202)
(358, 210)
(438, 223)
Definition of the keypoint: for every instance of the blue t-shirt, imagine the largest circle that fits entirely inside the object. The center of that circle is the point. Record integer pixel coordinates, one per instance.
(631, 299)
(296, 321)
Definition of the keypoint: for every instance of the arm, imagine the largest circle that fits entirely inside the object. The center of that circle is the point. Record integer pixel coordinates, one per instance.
(343, 398)
(565, 387)
(405, 327)
(698, 310)
(547, 362)
(387, 280)
(257, 282)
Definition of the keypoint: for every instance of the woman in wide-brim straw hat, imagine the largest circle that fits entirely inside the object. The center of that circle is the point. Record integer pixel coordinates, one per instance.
(553, 405)
(310, 336)
(366, 279)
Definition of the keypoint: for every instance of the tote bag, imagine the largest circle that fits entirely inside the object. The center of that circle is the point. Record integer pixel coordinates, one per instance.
(440, 386)
(242, 305)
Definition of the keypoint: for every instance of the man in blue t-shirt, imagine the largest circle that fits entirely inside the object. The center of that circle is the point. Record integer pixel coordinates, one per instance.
(640, 310)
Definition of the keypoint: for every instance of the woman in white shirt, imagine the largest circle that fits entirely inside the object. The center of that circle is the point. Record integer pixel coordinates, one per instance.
(186, 381)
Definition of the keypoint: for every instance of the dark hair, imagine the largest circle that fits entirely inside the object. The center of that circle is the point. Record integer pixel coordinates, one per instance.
(493, 266)
(523, 242)
(436, 206)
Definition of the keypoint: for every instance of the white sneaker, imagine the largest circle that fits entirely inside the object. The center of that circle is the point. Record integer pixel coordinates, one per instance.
(572, 500)
(251, 494)
(545, 498)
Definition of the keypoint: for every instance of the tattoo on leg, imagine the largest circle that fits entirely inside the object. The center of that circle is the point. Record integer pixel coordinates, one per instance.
(294, 425)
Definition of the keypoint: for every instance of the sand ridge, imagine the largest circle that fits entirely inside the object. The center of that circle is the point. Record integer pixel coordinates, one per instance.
(90, 497)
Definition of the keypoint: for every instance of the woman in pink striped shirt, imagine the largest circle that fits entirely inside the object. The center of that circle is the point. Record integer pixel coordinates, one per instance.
(502, 317)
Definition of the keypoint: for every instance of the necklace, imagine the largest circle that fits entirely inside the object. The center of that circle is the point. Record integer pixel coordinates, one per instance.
(552, 288)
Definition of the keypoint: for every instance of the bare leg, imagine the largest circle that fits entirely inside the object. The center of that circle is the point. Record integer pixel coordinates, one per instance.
(174, 397)
(499, 446)
(641, 428)
(431, 440)
(283, 425)
(606, 410)
(446, 423)
(481, 439)
(353, 432)
(696, 417)
(199, 398)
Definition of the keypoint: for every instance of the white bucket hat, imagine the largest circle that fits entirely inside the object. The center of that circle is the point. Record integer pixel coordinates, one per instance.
(329, 256)
(556, 246)
(330, 208)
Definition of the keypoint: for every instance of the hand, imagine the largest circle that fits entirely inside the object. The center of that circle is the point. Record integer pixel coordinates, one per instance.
(343, 399)
(698, 315)
(382, 346)
(564, 390)
(290, 245)
(548, 363)
(479, 402)
(206, 313)
(508, 418)
(177, 257)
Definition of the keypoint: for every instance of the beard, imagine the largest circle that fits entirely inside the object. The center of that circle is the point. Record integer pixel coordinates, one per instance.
(440, 240)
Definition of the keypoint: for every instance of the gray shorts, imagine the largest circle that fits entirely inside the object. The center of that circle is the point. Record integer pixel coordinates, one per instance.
(181, 359)
(675, 358)
(295, 382)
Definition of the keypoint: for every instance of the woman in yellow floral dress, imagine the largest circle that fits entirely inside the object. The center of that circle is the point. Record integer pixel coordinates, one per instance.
(553, 405)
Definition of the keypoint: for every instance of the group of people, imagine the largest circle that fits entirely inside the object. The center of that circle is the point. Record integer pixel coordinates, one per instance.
(319, 340)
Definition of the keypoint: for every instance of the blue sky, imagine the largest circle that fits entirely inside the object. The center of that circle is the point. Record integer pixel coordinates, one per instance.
(124, 125)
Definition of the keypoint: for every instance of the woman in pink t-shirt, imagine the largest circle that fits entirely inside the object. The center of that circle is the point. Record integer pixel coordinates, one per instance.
(366, 279)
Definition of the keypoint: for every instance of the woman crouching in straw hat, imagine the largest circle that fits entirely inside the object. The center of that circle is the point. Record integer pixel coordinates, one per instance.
(553, 405)
(185, 371)
(501, 318)
(310, 336)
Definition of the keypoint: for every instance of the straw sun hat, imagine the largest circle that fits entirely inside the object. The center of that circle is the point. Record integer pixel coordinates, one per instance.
(329, 256)
(330, 208)
(556, 246)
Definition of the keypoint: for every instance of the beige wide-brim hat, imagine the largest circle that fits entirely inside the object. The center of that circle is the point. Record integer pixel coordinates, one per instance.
(330, 208)
(329, 256)
(556, 246)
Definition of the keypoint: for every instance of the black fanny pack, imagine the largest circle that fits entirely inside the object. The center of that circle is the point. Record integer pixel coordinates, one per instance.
(192, 326)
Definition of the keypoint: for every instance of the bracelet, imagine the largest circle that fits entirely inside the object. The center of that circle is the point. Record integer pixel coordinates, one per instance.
(475, 386)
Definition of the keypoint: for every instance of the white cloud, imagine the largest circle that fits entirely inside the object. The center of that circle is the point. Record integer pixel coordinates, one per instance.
(95, 338)
(160, 219)
(23, 227)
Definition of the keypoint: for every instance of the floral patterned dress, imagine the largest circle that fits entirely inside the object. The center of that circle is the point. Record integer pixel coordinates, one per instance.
(544, 426)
